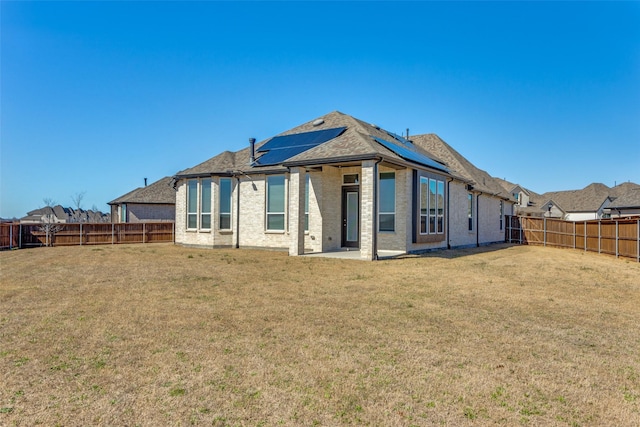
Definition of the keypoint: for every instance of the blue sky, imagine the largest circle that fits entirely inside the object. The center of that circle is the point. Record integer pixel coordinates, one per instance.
(96, 96)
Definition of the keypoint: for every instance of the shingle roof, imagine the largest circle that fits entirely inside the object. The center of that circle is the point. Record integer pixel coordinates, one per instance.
(159, 192)
(630, 199)
(589, 199)
(355, 143)
(459, 165)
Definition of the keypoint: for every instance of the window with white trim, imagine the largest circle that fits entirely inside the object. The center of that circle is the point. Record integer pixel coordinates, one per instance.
(224, 204)
(192, 204)
(205, 204)
(501, 214)
(275, 203)
(387, 202)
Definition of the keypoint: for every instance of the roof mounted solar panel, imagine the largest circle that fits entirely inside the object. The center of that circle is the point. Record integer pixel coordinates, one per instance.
(406, 152)
(280, 148)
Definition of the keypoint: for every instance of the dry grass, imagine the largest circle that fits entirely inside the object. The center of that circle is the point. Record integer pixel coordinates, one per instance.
(165, 335)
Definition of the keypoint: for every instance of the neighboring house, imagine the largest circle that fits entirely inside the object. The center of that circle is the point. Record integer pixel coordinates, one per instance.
(339, 183)
(525, 198)
(626, 202)
(576, 205)
(153, 202)
(61, 215)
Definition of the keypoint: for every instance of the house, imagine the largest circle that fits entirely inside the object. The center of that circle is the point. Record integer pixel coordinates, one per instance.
(525, 198)
(339, 183)
(626, 202)
(61, 215)
(153, 202)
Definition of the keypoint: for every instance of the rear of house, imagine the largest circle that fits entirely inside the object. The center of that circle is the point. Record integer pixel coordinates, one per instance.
(338, 183)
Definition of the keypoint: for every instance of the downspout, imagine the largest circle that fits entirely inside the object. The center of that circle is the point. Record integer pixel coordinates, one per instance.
(237, 212)
(478, 219)
(375, 209)
(448, 213)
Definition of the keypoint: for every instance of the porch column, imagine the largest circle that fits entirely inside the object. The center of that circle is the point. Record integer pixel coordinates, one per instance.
(296, 211)
(367, 210)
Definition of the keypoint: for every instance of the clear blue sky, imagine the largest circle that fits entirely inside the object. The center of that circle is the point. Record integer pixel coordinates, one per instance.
(95, 96)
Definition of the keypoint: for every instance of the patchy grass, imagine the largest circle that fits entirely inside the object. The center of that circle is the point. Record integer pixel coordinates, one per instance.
(165, 335)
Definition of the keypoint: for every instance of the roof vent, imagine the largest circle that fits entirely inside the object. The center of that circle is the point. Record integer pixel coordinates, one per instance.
(318, 122)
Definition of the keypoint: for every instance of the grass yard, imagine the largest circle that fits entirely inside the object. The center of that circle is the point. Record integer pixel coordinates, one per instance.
(165, 335)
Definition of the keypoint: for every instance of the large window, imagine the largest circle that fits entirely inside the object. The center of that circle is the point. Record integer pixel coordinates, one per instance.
(224, 221)
(275, 203)
(123, 213)
(470, 210)
(205, 204)
(387, 203)
(431, 206)
(501, 215)
(192, 204)
(199, 204)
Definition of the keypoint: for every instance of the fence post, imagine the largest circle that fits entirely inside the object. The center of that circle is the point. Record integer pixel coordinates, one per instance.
(599, 236)
(617, 223)
(544, 231)
(585, 236)
(144, 232)
(20, 238)
(574, 235)
(10, 236)
(112, 233)
(638, 235)
(80, 234)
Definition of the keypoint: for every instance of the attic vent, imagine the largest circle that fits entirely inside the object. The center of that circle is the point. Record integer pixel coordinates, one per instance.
(318, 122)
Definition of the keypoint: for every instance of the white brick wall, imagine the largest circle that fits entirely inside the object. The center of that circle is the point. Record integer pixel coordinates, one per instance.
(325, 214)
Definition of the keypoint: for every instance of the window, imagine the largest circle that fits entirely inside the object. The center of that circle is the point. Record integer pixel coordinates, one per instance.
(440, 200)
(306, 203)
(123, 213)
(470, 210)
(192, 204)
(275, 203)
(501, 215)
(431, 206)
(224, 220)
(205, 204)
(350, 179)
(387, 202)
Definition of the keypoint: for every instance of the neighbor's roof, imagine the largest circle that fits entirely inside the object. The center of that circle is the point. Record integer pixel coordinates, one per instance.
(630, 199)
(357, 142)
(589, 199)
(159, 192)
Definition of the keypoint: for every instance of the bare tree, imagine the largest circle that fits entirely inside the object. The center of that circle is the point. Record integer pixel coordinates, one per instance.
(77, 199)
(49, 202)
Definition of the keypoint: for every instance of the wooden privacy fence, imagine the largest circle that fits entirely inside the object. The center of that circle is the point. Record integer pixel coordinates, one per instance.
(619, 237)
(31, 235)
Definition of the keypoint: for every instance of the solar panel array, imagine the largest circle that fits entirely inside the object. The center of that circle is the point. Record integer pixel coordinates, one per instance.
(281, 148)
(406, 152)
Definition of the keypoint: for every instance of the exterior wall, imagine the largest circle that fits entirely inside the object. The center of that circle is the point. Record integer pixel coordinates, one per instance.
(489, 219)
(624, 212)
(366, 209)
(313, 239)
(400, 238)
(459, 233)
(147, 212)
(331, 206)
(581, 216)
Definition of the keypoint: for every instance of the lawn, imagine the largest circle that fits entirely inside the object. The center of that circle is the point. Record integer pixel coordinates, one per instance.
(165, 335)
